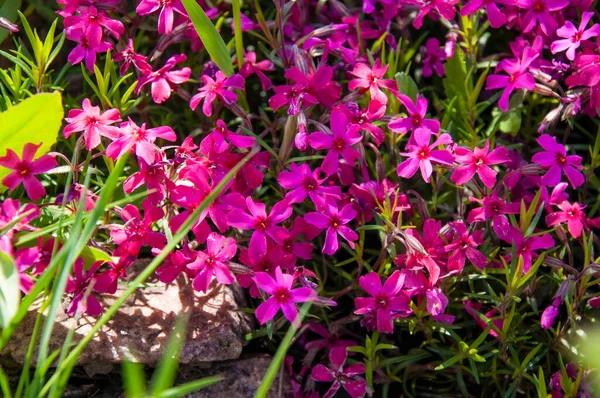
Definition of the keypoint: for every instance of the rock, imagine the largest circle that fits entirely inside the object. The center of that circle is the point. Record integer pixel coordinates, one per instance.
(242, 379)
(139, 330)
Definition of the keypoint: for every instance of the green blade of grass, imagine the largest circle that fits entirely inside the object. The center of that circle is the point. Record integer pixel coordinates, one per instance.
(212, 40)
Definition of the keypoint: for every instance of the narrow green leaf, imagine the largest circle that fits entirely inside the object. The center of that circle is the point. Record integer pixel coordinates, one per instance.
(134, 380)
(190, 387)
(213, 42)
(165, 373)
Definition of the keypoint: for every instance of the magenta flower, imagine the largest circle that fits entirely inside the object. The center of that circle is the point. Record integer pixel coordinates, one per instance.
(371, 79)
(303, 182)
(128, 56)
(364, 118)
(91, 21)
(24, 260)
(218, 139)
(433, 55)
(11, 210)
(251, 66)
(153, 176)
(436, 305)
(574, 36)
(339, 143)
(538, 11)
(162, 80)
(92, 123)
(341, 377)
(334, 220)
(478, 161)
(549, 315)
(83, 302)
(282, 296)
(25, 169)
(259, 221)
(108, 281)
(214, 89)
(166, 16)
(416, 116)
(212, 262)
(517, 78)
(387, 301)
(85, 48)
(421, 154)
(463, 246)
(137, 230)
(555, 159)
(572, 214)
(526, 247)
(445, 8)
(495, 16)
(330, 339)
(140, 140)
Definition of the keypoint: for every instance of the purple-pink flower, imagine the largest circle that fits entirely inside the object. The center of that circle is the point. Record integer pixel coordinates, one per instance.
(386, 302)
(212, 262)
(572, 214)
(538, 11)
(574, 36)
(282, 296)
(83, 302)
(422, 154)
(555, 159)
(371, 79)
(163, 80)
(217, 88)
(167, 12)
(335, 222)
(341, 376)
(92, 123)
(478, 161)
(25, 168)
(416, 116)
(140, 140)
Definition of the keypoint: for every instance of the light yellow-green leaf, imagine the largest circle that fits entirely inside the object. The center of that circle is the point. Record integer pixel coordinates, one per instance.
(37, 119)
(10, 294)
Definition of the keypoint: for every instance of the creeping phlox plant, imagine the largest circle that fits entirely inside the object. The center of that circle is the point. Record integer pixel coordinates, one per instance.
(408, 185)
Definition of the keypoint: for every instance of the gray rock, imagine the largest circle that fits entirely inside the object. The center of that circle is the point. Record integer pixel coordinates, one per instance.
(139, 330)
(242, 378)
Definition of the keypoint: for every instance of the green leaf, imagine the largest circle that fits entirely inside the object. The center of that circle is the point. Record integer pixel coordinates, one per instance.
(511, 122)
(37, 119)
(455, 84)
(213, 42)
(190, 387)
(165, 373)
(134, 380)
(9, 11)
(406, 85)
(10, 294)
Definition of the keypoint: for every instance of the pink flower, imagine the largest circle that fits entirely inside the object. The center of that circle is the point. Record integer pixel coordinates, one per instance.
(140, 140)
(555, 159)
(86, 49)
(416, 117)
(282, 296)
(462, 246)
(387, 301)
(334, 221)
(339, 143)
(11, 210)
(572, 214)
(83, 302)
(24, 259)
(92, 123)
(364, 118)
(574, 36)
(166, 16)
(517, 78)
(341, 377)
(539, 11)
(526, 246)
(108, 281)
(436, 305)
(303, 182)
(495, 16)
(493, 207)
(91, 21)
(548, 316)
(445, 8)
(25, 169)
(433, 57)
(421, 154)
(478, 162)
(216, 140)
(371, 79)
(471, 307)
(212, 262)
(129, 56)
(137, 231)
(162, 80)
(259, 221)
(214, 89)
(251, 66)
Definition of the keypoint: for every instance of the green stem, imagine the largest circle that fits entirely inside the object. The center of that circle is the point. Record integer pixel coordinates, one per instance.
(237, 28)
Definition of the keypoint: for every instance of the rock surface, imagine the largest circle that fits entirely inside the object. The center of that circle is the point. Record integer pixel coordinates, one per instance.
(242, 379)
(139, 331)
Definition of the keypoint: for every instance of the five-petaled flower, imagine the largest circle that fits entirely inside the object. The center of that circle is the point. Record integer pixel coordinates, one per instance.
(92, 123)
(341, 376)
(25, 169)
(217, 88)
(212, 262)
(555, 159)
